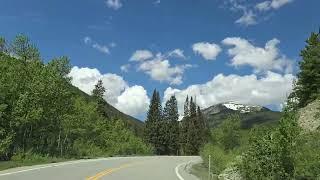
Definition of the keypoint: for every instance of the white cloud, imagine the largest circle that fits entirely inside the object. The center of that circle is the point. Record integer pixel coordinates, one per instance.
(116, 89)
(161, 70)
(125, 67)
(260, 58)
(206, 50)
(247, 19)
(253, 13)
(114, 4)
(272, 4)
(133, 100)
(101, 48)
(141, 55)
(178, 53)
(158, 66)
(248, 89)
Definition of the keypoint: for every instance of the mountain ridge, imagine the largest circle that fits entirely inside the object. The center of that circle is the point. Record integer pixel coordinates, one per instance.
(250, 115)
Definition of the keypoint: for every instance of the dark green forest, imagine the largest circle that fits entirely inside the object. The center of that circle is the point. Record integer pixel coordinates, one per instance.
(43, 115)
(168, 135)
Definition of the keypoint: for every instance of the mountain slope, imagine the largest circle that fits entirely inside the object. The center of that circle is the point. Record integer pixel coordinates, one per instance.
(250, 114)
(132, 123)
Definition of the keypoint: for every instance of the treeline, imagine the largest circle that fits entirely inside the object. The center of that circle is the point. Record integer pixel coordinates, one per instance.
(167, 134)
(281, 152)
(42, 113)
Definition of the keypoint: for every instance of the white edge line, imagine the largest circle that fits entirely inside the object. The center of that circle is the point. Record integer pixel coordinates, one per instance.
(58, 164)
(177, 170)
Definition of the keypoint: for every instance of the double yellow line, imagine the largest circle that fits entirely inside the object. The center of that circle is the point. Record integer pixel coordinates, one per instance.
(109, 171)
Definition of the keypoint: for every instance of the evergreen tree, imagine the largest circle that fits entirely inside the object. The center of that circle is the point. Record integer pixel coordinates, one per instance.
(183, 128)
(203, 127)
(98, 93)
(308, 85)
(153, 130)
(186, 108)
(192, 108)
(171, 116)
(98, 90)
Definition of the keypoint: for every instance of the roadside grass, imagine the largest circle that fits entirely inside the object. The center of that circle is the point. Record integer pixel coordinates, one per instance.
(30, 162)
(200, 171)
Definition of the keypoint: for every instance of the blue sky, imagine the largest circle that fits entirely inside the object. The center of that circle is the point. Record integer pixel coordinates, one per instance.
(216, 50)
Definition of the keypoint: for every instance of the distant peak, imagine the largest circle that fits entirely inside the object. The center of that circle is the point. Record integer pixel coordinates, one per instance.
(243, 108)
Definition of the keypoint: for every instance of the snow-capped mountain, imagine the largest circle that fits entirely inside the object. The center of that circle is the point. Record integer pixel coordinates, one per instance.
(250, 114)
(241, 108)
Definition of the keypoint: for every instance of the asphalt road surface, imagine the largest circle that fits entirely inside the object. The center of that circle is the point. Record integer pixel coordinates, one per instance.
(115, 168)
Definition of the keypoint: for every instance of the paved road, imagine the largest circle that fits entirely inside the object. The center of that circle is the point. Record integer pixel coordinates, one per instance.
(116, 168)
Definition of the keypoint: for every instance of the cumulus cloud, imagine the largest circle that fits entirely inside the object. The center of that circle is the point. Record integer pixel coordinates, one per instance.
(261, 59)
(248, 89)
(273, 4)
(101, 48)
(141, 55)
(208, 51)
(158, 66)
(133, 100)
(114, 4)
(161, 70)
(118, 92)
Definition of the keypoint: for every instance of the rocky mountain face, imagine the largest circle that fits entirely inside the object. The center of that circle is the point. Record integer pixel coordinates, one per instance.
(250, 114)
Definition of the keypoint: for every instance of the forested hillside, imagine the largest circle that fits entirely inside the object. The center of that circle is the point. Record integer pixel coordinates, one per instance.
(42, 114)
(287, 150)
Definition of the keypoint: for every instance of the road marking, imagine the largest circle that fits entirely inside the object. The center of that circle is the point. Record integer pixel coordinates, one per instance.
(177, 171)
(109, 171)
(58, 164)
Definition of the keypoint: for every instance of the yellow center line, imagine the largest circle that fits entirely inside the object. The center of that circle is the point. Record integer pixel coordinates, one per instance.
(109, 171)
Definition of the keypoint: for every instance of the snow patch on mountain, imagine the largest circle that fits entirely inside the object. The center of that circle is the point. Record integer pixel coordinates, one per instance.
(241, 107)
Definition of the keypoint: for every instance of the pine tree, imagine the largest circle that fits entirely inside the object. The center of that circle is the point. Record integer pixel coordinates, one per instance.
(203, 127)
(153, 128)
(98, 93)
(98, 90)
(171, 117)
(183, 128)
(193, 108)
(308, 85)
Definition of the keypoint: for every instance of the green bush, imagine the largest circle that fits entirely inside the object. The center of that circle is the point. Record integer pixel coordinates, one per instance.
(220, 159)
(307, 158)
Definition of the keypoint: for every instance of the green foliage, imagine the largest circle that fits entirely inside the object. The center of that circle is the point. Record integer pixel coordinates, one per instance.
(227, 135)
(98, 90)
(2, 45)
(193, 129)
(42, 115)
(271, 152)
(308, 85)
(220, 159)
(171, 127)
(154, 130)
(307, 158)
(24, 50)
